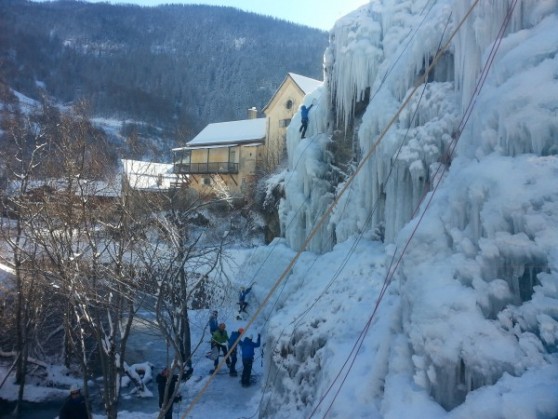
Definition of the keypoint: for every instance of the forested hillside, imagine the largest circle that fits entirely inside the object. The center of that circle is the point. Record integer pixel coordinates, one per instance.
(175, 67)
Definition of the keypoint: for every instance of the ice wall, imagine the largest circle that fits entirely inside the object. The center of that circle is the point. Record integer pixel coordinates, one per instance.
(379, 53)
(487, 238)
(307, 183)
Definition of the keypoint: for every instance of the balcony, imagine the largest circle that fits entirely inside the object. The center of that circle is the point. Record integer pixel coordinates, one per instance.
(205, 168)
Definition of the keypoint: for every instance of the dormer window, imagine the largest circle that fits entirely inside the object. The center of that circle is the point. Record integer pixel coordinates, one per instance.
(289, 104)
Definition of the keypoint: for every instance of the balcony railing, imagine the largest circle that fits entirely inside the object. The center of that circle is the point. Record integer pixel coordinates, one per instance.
(205, 168)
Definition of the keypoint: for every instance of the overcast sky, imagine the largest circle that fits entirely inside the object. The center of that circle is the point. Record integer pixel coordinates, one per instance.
(320, 14)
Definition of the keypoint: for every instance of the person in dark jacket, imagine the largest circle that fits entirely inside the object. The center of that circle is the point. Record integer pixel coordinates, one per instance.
(304, 111)
(233, 344)
(161, 380)
(247, 346)
(74, 406)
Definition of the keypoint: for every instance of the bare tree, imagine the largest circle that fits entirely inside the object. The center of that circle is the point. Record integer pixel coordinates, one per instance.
(100, 256)
(23, 148)
(177, 260)
(84, 233)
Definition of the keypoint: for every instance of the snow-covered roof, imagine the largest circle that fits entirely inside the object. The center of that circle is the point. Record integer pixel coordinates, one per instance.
(7, 274)
(5, 269)
(86, 187)
(230, 133)
(100, 188)
(306, 84)
(204, 147)
(142, 175)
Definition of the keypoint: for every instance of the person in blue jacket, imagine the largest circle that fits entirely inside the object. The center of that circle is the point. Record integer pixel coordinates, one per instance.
(247, 347)
(213, 322)
(304, 119)
(242, 294)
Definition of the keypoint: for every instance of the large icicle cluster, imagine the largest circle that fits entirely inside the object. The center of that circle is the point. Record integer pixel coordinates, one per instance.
(494, 219)
(489, 232)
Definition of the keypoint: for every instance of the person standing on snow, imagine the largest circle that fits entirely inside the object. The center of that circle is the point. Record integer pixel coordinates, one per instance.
(233, 344)
(74, 406)
(220, 339)
(161, 380)
(247, 347)
(213, 323)
(304, 111)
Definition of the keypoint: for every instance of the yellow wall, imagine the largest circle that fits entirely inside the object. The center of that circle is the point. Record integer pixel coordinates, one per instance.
(248, 158)
(211, 155)
(276, 112)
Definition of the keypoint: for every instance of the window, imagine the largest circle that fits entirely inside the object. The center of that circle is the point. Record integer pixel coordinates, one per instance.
(207, 181)
(289, 104)
(183, 157)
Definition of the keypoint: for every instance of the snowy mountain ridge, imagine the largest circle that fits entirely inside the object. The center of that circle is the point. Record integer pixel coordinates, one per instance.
(463, 186)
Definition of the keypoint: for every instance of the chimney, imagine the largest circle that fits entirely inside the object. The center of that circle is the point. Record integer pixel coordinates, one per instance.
(252, 113)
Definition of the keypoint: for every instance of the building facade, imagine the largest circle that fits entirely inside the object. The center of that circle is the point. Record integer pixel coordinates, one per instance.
(227, 157)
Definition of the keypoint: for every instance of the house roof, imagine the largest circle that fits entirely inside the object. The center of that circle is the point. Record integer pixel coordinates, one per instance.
(143, 175)
(305, 84)
(86, 187)
(229, 133)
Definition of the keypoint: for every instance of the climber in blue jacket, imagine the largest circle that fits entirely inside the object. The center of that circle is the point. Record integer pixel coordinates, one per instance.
(304, 119)
(242, 294)
(247, 347)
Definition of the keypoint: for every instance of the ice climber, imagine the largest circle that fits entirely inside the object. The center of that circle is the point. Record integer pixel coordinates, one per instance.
(304, 119)
(242, 295)
(247, 346)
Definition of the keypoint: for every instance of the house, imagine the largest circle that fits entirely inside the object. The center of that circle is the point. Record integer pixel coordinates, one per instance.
(148, 176)
(100, 193)
(146, 181)
(230, 155)
(281, 108)
(223, 156)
